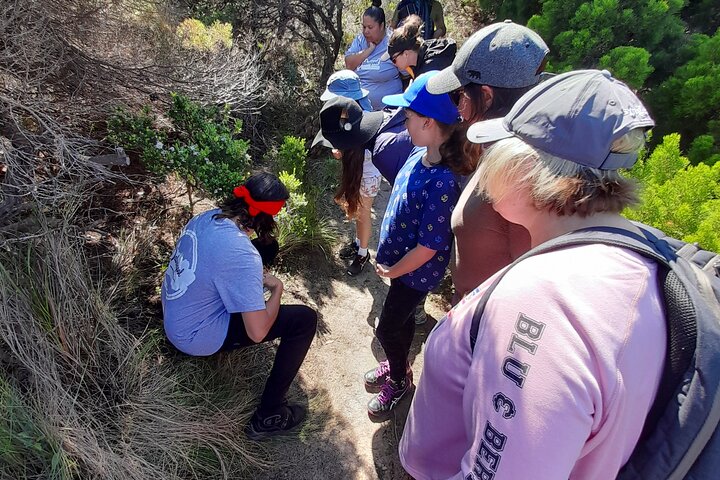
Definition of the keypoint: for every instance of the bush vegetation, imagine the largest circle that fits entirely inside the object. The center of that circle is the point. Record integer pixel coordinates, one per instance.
(89, 389)
(301, 224)
(670, 52)
(681, 199)
(201, 145)
(83, 397)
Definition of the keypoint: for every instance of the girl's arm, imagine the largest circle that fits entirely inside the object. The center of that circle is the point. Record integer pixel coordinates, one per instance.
(258, 323)
(353, 60)
(414, 259)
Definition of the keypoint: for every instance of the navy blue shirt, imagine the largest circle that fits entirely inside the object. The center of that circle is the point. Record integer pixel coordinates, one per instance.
(418, 212)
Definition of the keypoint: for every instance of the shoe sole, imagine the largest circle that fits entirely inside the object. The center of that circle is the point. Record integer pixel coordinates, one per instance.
(257, 436)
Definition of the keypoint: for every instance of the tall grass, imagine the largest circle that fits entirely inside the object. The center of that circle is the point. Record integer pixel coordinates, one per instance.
(83, 398)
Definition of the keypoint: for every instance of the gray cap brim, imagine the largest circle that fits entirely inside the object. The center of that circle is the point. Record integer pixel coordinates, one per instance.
(444, 82)
(488, 131)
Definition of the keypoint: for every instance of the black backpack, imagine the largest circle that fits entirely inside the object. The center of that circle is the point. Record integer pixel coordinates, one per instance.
(680, 437)
(422, 9)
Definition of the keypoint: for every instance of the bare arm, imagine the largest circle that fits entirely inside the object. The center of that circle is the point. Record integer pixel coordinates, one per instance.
(258, 323)
(354, 60)
(412, 260)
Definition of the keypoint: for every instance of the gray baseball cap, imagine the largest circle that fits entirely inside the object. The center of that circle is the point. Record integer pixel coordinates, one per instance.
(504, 54)
(575, 116)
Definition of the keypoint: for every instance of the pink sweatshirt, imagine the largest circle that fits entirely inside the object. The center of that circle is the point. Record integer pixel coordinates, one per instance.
(567, 362)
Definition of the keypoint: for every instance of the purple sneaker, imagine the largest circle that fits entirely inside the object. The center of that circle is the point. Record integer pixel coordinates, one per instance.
(390, 394)
(378, 376)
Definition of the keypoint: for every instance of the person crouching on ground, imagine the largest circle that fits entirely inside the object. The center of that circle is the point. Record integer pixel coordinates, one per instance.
(570, 347)
(415, 238)
(212, 296)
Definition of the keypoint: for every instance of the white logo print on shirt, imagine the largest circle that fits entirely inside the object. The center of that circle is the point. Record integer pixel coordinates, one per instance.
(180, 274)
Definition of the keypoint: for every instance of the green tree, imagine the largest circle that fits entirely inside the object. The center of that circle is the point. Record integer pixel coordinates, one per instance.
(679, 198)
(580, 32)
(630, 64)
(689, 101)
(519, 11)
(703, 16)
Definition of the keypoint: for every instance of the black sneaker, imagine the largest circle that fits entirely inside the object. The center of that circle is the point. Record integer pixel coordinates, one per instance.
(286, 418)
(390, 394)
(378, 376)
(357, 265)
(349, 251)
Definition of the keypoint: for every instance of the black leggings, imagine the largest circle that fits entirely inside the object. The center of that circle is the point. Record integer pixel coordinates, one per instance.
(295, 326)
(396, 327)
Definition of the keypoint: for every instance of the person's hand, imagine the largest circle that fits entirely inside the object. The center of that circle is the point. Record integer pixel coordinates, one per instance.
(383, 271)
(337, 154)
(371, 47)
(271, 282)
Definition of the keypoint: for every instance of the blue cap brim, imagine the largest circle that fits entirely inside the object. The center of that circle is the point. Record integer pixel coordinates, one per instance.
(397, 100)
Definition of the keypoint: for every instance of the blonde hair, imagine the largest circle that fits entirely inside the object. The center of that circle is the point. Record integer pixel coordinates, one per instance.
(555, 184)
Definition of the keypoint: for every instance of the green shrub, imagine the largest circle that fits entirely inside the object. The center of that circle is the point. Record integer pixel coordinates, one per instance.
(300, 224)
(195, 35)
(681, 199)
(202, 147)
(292, 155)
(630, 64)
(137, 133)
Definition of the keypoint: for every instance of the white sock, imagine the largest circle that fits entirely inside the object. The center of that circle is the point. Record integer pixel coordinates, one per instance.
(362, 251)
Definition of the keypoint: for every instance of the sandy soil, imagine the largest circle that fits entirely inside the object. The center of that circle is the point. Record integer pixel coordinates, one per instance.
(339, 440)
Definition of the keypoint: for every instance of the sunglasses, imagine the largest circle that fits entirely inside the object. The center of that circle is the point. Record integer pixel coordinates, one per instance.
(394, 58)
(456, 95)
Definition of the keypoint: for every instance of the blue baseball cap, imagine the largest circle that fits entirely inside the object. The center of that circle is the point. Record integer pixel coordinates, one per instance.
(418, 99)
(344, 83)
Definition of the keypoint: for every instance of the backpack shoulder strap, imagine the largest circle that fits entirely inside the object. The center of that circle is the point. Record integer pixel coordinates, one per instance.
(606, 235)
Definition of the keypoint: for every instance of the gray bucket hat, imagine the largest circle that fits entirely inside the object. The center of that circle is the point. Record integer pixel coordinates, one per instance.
(575, 116)
(504, 54)
(343, 124)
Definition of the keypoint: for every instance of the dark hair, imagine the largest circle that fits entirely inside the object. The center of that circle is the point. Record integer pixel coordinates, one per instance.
(348, 193)
(502, 101)
(375, 12)
(453, 151)
(452, 154)
(263, 186)
(409, 33)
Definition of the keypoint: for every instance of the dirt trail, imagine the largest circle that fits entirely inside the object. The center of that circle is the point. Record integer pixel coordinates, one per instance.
(339, 440)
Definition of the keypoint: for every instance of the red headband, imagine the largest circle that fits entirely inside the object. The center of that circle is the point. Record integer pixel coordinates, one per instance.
(256, 206)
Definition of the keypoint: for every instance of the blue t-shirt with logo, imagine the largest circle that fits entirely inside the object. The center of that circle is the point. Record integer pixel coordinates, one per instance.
(381, 77)
(214, 271)
(419, 212)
